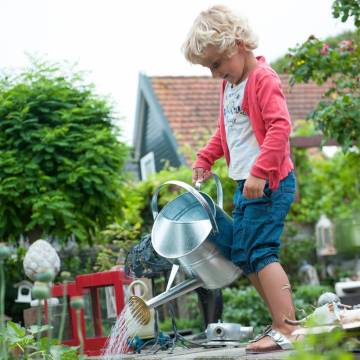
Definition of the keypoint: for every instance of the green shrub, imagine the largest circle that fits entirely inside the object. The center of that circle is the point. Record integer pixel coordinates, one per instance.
(305, 298)
(115, 241)
(326, 346)
(60, 158)
(294, 251)
(245, 306)
(326, 185)
(194, 320)
(181, 324)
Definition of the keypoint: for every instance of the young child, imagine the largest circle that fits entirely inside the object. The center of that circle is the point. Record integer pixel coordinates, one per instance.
(253, 134)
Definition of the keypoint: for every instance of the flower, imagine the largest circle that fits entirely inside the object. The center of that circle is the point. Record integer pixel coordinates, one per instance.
(325, 49)
(346, 45)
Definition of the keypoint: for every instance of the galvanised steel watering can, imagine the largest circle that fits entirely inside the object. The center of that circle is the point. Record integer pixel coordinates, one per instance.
(195, 234)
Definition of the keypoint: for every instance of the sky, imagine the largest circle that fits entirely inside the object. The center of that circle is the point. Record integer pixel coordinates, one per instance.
(115, 40)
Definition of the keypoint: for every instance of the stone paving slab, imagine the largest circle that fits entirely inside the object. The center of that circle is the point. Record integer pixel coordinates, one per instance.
(224, 353)
(227, 353)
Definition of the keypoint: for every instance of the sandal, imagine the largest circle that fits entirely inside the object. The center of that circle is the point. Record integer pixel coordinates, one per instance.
(262, 334)
(281, 342)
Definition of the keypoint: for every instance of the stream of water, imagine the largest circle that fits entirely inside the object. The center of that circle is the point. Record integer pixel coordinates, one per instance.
(124, 330)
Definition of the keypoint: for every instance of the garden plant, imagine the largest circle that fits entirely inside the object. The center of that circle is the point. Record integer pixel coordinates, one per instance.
(60, 158)
(35, 341)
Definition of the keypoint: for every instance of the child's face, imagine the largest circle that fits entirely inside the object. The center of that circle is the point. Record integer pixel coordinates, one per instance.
(230, 68)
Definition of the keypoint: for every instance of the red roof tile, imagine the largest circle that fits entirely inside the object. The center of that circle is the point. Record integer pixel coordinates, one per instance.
(191, 103)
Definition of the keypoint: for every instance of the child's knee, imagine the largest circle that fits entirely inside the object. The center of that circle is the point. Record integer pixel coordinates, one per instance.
(259, 263)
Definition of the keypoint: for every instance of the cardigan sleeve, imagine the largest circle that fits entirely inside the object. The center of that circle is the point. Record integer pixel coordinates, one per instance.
(277, 125)
(211, 152)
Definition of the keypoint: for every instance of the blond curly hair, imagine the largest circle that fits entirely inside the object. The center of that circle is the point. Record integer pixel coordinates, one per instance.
(220, 27)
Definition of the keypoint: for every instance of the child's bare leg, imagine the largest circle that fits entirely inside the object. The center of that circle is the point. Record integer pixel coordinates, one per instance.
(254, 279)
(276, 289)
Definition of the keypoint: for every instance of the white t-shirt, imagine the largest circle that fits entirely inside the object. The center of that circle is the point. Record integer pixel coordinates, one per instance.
(242, 144)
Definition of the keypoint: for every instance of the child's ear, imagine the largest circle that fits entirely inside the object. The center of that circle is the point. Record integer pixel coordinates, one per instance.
(240, 44)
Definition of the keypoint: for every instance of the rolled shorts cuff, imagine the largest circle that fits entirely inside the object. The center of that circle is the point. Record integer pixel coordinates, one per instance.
(245, 269)
(264, 262)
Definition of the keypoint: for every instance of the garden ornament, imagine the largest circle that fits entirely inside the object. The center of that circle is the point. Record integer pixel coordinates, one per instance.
(187, 232)
(327, 298)
(325, 241)
(328, 316)
(40, 257)
(219, 332)
(308, 274)
(24, 292)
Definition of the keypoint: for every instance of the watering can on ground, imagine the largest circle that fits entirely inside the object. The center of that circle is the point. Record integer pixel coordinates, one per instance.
(195, 234)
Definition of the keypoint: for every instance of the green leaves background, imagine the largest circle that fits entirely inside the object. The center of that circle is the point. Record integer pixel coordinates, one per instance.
(60, 158)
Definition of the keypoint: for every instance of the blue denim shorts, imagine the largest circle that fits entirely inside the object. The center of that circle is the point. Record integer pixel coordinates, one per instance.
(258, 224)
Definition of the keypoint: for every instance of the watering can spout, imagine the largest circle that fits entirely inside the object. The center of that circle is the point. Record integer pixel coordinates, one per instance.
(178, 290)
(140, 309)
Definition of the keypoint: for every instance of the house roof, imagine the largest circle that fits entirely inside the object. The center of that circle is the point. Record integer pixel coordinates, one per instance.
(191, 103)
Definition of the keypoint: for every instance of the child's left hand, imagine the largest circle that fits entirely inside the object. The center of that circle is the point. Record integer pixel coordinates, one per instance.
(254, 187)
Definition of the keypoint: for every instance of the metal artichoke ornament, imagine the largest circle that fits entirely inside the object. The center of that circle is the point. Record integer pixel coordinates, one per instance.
(40, 257)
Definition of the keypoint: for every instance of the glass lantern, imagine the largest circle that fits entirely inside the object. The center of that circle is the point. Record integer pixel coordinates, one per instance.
(325, 240)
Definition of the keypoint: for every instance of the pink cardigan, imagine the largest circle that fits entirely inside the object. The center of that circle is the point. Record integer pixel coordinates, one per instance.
(265, 104)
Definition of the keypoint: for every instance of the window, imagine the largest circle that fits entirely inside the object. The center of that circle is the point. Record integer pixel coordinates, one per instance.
(147, 165)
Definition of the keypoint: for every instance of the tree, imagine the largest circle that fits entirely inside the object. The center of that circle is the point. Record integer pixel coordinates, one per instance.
(60, 159)
(337, 116)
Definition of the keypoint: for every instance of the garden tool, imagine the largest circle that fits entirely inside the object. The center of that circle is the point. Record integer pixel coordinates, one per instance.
(195, 234)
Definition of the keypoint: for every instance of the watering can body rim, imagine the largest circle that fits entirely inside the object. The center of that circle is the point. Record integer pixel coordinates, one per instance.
(206, 202)
(206, 222)
(196, 249)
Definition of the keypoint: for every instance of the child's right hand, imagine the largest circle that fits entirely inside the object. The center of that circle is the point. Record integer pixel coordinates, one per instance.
(200, 174)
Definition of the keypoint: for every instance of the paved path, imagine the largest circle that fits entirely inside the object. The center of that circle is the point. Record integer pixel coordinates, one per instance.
(226, 353)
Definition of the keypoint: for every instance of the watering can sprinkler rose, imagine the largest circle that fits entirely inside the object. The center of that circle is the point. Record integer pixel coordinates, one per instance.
(195, 234)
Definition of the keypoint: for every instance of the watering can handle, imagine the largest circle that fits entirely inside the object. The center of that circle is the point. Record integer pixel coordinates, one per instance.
(143, 286)
(192, 191)
(219, 191)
